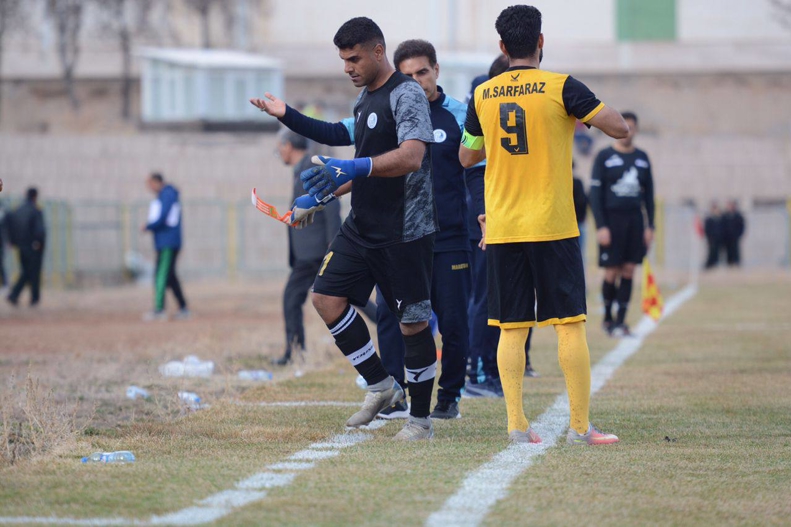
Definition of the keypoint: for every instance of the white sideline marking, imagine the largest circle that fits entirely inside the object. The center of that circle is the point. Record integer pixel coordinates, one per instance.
(489, 483)
(295, 465)
(222, 503)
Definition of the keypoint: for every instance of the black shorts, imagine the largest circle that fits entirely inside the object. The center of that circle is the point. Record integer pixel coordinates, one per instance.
(627, 239)
(402, 272)
(549, 274)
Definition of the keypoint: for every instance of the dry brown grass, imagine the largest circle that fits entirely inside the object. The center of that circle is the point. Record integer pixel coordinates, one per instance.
(34, 424)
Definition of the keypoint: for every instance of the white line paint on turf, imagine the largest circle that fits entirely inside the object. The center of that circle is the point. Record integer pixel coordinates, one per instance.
(220, 504)
(488, 484)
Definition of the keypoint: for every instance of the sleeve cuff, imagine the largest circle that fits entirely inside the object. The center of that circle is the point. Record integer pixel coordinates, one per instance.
(593, 113)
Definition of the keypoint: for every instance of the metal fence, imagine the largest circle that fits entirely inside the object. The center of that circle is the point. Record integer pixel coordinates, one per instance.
(101, 241)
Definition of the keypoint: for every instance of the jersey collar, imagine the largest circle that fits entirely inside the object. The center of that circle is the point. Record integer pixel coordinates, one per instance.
(512, 68)
(439, 100)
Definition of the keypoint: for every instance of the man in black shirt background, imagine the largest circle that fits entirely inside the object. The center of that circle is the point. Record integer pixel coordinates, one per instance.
(732, 232)
(622, 201)
(27, 232)
(306, 247)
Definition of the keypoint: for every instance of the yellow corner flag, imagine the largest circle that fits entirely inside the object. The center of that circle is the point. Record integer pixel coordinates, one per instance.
(652, 298)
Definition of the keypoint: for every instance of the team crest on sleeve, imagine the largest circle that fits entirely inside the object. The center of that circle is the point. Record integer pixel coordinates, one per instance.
(440, 135)
(372, 120)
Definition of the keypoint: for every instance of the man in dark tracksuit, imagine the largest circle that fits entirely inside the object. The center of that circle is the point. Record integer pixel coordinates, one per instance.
(28, 233)
(484, 377)
(164, 220)
(3, 279)
(306, 247)
(621, 194)
(732, 232)
(451, 280)
(713, 228)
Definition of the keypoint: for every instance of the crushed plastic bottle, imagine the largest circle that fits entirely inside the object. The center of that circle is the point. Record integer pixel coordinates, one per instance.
(120, 457)
(255, 375)
(191, 366)
(133, 392)
(191, 399)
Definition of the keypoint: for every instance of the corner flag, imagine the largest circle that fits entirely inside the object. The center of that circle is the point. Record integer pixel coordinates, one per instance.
(652, 298)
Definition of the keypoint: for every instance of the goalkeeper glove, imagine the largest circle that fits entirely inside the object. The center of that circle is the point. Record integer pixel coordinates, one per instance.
(321, 181)
(305, 208)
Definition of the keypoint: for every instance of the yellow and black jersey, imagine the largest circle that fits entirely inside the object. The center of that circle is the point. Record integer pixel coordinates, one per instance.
(525, 118)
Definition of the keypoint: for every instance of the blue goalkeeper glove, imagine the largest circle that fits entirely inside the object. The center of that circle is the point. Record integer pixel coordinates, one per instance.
(321, 181)
(305, 208)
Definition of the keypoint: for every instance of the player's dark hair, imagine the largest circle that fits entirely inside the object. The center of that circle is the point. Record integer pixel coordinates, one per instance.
(32, 194)
(360, 30)
(499, 66)
(519, 27)
(298, 142)
(630, 115)
(156, 176)
(409, 49)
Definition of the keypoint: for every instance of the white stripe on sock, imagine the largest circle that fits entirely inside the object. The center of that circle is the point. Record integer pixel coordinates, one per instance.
(362, 354)
(422, 374)
(343, 324)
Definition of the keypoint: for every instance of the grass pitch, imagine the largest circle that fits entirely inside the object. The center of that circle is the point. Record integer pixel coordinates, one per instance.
(701, 409)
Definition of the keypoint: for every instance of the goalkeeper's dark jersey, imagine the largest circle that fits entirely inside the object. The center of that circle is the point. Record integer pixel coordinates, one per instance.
(385, 211)
(399, 209)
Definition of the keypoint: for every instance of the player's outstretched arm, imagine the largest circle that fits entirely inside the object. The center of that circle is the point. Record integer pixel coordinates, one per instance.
(609, 121)
(270, 104)
(332, 134)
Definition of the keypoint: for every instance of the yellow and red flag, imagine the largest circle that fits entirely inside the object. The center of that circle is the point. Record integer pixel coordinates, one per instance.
(652, 298)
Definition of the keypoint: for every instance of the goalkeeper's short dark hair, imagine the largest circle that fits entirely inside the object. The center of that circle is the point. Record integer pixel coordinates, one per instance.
(410, 49)
(360, 30)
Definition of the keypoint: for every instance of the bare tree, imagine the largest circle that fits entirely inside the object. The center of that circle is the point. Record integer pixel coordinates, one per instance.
(10, 15)
(203, 9)
(67, 15)
(126, 19)
(783, 10)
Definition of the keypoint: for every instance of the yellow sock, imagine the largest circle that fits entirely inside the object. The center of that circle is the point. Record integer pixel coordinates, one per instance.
(511, 362)
(575, 362)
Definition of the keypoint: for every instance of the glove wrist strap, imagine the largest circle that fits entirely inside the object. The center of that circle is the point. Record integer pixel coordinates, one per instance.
(363, 166)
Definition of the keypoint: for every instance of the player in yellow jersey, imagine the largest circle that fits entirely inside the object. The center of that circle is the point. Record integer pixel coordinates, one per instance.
(522, 123)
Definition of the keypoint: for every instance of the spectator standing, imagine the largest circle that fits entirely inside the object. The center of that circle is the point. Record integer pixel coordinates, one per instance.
(733, 230)
(712, 227)
(306, 246)
(164, 221)
(27, 232)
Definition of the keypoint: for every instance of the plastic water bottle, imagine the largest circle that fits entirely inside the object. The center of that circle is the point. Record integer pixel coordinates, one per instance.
(255, 375)
(120, 457)
(133, 392)
(191, 399)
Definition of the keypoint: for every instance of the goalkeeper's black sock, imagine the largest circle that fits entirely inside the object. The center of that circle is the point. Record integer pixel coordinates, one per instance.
(352, 337)
(608, 296)
(420, 360)
(624, 294)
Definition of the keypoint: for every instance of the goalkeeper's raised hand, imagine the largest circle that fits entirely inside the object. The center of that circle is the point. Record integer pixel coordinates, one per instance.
(305, 208)
(322, 180)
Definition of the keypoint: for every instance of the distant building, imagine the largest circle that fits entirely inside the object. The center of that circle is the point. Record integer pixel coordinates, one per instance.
(206, 88)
